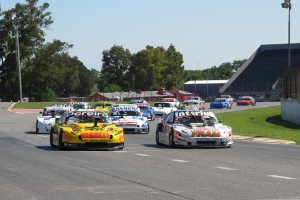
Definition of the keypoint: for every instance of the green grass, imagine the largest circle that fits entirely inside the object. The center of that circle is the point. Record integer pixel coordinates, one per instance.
(257, 122)
(261, 122)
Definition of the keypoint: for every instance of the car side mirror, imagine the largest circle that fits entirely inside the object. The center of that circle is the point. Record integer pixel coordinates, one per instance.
(220, 121)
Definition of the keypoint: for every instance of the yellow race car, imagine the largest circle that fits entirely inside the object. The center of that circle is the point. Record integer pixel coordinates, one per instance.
(87, 129)
(104, 106)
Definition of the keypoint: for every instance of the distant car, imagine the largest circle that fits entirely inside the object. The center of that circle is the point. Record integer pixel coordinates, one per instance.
(147, 110)
(130, 119)
(197, 98)
(246, 100)
(174, 101)
(192, 105)
(81, 105)
(221, 103)
(133, 101)
(104, 105)
(228, 97)
(161, 109)
(86, 129)
(48, 116)
(193, 129)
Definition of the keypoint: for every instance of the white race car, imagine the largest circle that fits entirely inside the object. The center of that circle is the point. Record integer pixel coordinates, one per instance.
(48, 116)
(193, 129)
(192, 105)
(161, 109)
(130, 119)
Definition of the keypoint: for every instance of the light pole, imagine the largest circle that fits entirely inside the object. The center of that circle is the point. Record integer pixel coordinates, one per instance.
(287, 4)
(16, 22)
(133, 78)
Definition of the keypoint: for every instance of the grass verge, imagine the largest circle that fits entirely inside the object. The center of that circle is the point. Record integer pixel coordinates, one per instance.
(261, 122)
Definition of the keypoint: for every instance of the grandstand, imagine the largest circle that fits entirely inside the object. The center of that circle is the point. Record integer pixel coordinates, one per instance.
(262, 73)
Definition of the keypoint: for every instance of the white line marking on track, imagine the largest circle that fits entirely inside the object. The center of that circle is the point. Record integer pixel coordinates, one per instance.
(180, 160)
(226, 168)
(42, 136)
(283, 177)
(140, 154)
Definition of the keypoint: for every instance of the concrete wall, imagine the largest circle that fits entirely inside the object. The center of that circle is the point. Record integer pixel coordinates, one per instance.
(290, 111)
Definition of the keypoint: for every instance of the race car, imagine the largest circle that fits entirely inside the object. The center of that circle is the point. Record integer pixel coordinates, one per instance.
(47, 117)
(174, 101)
(104, 105)
(86, 129)
(246, 100)
(161, 109)
(221, 103)
(199, 128)
(147, 110)
(130, 119)
(134, 101)
(192, 105)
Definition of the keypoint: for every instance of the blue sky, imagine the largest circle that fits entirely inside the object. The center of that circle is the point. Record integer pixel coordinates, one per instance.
(207, 33)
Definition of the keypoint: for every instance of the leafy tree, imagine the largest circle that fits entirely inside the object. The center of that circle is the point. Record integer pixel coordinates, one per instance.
(116, 62)
(33, 19)
(48, 95)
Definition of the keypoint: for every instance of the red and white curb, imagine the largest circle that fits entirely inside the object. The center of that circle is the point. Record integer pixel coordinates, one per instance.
(264, 140)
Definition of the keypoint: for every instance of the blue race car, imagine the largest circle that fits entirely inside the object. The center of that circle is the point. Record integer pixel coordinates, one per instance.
(221, 103)
(146, 110)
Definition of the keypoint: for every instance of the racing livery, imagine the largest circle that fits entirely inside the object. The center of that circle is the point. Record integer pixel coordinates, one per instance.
(221, 103)
(86, 128)
(246, 100)
(47, 117)
(130, 119)
(192, 104)
(146, 110)
(161, 109)
(193, 129)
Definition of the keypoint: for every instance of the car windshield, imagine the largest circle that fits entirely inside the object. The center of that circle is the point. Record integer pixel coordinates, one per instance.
(125, 113)
(220, 100)
(162, 105)
(188, 120)
(84, 117)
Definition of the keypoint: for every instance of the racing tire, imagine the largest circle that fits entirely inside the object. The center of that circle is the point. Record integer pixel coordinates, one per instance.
(36, 127)
(148, 130)
(157, 137)
(171, 138)
(51, 138)
(121, 148)
(60, 143)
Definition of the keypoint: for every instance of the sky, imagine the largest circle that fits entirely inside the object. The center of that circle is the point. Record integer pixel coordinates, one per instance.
(206, 33)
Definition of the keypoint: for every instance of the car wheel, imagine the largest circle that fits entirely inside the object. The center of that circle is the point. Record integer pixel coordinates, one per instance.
(157, 137)
(148, 130)
(121, 148)
(51, 138)
(171, 138)
(36, 127)
(60, 143)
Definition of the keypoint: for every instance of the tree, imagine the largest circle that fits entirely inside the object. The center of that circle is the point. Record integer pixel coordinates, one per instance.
(31, 35)
(116, 62)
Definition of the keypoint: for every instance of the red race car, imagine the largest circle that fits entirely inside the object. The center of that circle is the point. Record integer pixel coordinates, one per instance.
(246, 100)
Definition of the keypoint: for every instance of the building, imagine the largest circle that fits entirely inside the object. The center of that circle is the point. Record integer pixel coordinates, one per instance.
(207, 89)
(263, 73)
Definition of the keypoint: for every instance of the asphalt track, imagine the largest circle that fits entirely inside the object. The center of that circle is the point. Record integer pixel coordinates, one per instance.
(32, 170)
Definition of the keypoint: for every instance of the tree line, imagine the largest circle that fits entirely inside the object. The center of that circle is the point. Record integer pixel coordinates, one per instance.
(48, 71)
